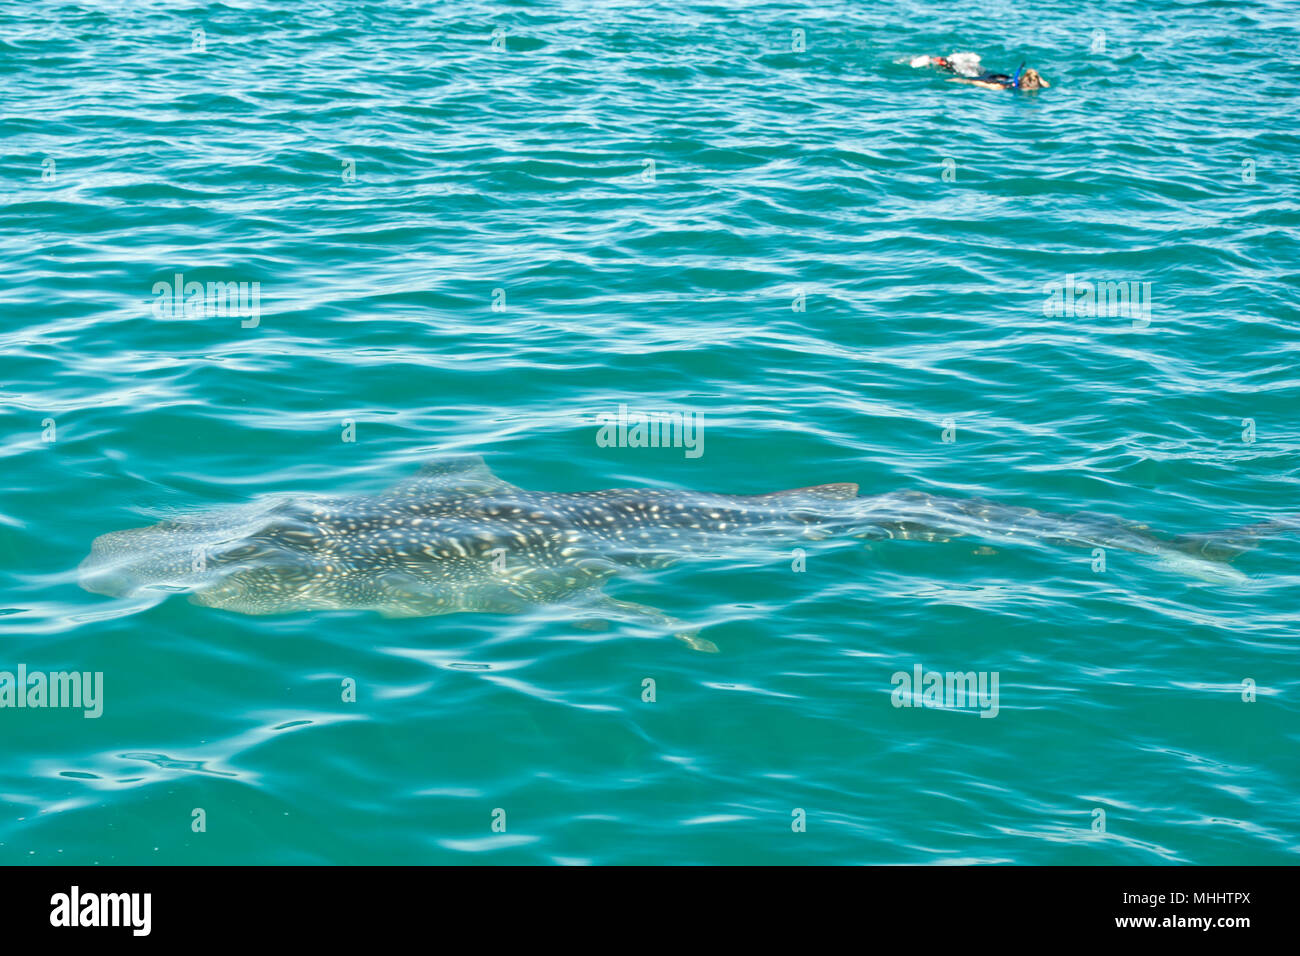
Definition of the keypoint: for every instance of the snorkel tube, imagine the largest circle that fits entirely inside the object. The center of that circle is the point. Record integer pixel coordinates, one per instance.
(1015, 80)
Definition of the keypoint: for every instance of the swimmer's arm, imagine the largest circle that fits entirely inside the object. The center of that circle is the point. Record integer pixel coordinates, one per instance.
(982, 84)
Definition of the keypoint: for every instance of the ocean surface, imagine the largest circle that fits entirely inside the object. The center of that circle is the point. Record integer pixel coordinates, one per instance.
(479, 228)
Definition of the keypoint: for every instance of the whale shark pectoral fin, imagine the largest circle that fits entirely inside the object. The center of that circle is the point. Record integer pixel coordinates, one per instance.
(701, 644)
(840, 491)
(627, 610)
(452, 476)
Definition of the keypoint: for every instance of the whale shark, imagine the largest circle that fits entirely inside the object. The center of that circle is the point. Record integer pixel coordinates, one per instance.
(454, 537)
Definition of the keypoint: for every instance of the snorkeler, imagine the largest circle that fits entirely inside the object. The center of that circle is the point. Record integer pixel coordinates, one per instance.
(967, 66)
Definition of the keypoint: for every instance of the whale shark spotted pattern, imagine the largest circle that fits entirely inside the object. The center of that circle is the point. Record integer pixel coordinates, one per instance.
(455, 537)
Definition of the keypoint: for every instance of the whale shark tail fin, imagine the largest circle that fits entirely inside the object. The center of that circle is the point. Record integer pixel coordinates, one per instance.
(1225, 546)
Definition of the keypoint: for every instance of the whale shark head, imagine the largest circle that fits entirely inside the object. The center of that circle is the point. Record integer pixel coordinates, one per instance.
(178, 554)
(126, 563)
(432, 544)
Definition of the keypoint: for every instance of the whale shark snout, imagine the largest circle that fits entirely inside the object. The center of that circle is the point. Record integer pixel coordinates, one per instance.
(109, 582)
(99, 578)
(123, 563)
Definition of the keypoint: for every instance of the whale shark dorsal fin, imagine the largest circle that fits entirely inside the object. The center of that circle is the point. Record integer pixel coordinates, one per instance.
(459, 475)
(840, 491)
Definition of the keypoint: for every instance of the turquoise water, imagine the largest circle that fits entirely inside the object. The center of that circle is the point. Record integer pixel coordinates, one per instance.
(837, 260)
